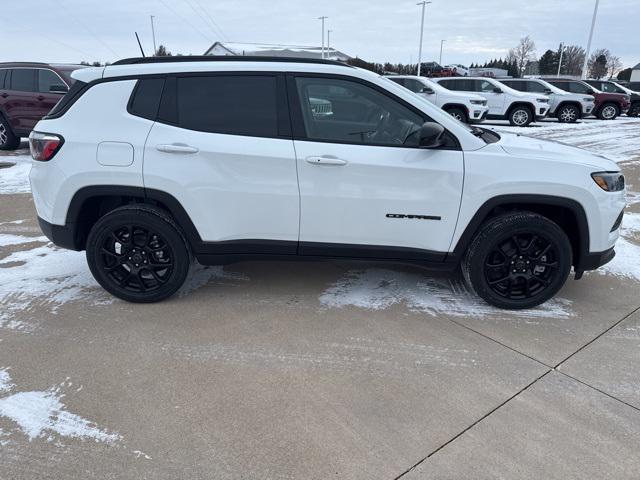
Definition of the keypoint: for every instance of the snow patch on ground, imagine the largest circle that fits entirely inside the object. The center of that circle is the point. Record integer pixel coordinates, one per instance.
(44, 276)
(7, 239)
(5, 380)
(41, 414)
(16, 179)
(626, 263)
(378, 289)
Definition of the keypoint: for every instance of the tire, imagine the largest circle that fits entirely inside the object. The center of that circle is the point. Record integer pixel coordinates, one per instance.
(568, 114)
(138, 253)
(8, 141)
(520, 116)
(497, 270)
(458, 114)
(634, 110)
(609, 111)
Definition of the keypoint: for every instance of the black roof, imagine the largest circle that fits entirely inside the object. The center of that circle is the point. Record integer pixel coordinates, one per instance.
(227, 58)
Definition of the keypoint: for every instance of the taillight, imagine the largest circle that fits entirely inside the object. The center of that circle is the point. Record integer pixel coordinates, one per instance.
(44, 146)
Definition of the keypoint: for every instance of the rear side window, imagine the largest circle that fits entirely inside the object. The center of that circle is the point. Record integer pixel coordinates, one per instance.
(3, 74)
(23, 79)
(535, 87)
(231, 104)
(145, 99)
(49, 82)
(576, 87)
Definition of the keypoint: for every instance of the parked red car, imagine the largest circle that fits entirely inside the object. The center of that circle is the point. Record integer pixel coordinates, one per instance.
(608, 105)
(28, 91)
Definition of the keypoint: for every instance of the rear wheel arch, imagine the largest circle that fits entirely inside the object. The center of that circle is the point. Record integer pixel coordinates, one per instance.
(573, 103)
(91, 203)
(567, 213)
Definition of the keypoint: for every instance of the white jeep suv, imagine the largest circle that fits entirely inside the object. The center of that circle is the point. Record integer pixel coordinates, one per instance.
(505, 103)
(466, 107)
(565, 106)
(149, 163)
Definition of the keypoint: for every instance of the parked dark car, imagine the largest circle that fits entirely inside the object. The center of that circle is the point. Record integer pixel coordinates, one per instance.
(635, 86)
(608, 105)
(612, 87)
(28, 91)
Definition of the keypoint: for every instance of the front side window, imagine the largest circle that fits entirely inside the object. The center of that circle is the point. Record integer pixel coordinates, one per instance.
(50, 82)
(485, 86)
(576, 87)
(415, 85)
(610, 88)
(535, 87)
(23, 79)
(355, 113)
(231, 104)
(459, 85)
(520, 86)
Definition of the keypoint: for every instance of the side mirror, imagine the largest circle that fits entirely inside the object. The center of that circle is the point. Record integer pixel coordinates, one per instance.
(548, 91)
(58, 89)
(427, 90)
(431, 135)
(497, 90)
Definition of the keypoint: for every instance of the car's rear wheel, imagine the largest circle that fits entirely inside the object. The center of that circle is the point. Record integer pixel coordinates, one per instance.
(568, 114)
(518, 260)
(520, 116)
(609, 111)
(458, 114)
(138, 254)
(8, 141)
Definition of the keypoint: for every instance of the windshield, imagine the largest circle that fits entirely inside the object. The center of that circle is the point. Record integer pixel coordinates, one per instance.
(624, 89)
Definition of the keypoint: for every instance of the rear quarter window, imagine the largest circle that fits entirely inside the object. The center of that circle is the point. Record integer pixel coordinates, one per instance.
(145, 99)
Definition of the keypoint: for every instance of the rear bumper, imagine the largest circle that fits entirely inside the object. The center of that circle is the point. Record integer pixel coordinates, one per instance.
(64, 236)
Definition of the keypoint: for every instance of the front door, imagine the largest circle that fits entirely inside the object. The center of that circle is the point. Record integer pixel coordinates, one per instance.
(495, 101)
(222, 149)
(366, 188)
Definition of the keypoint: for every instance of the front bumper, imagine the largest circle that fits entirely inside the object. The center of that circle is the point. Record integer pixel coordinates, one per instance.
(592, 261)
(478, 119)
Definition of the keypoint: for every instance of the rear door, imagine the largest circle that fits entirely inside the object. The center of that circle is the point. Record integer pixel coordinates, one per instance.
(20, 104)
(51, 88)
(222, 147)
(366, 189)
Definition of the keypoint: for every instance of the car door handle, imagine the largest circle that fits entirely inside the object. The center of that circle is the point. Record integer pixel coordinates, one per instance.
(176, 148)
(4, 95)
(326, 160)
(40, 97)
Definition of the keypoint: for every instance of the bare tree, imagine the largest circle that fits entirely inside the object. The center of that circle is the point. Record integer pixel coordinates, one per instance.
(572, 60)
(598, 64)
(614, 65)
(523, 53)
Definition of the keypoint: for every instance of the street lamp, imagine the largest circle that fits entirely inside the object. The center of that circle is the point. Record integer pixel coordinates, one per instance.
(560, 62)
(424, 4)
(329, 42)
(441, 43)
(586, 55)
(323, 19)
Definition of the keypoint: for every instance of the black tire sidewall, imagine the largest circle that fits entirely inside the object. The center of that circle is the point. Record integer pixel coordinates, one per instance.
(498, 230)
(154, 220)
(13, 142)
(600, 113)
(463, 115)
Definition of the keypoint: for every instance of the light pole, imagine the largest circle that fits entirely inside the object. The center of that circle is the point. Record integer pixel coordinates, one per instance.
(329, 42)
(586, 55)
(560, 62)
(441, 43)
(323, 19)
(153, 34)
(424, 5)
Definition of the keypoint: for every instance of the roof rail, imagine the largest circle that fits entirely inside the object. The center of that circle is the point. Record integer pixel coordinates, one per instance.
(224, 58)
(23, 63)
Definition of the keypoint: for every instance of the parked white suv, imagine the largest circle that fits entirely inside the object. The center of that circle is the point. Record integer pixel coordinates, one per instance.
(505, 103)
(466, 107)
(148, 163)
(565, 106)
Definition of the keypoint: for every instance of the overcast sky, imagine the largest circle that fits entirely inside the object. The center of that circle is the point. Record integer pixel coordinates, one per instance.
(376, 30)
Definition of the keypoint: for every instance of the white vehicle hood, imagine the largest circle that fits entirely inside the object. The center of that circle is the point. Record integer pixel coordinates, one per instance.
(528, 147)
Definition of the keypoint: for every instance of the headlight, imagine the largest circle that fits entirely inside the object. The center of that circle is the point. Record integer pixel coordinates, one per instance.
(478, 102)
(609, 181)
(542, 100)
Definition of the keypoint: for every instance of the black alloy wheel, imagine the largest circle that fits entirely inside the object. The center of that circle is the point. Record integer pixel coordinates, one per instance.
(138, 254)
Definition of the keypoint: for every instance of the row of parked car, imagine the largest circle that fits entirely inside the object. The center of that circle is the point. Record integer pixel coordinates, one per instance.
(28, 91)
(523, 101)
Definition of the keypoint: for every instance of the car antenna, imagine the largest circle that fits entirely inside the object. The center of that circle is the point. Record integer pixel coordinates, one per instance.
(139, 44)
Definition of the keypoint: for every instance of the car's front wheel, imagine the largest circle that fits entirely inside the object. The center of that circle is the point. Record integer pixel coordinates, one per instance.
(138, 254)
(520, 116)
(518, 260)
(568, 114)
(458, 114)
(8, 141)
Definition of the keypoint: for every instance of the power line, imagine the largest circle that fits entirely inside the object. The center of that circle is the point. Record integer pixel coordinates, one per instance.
(212, 21)
(172, 10)
(79, 22)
